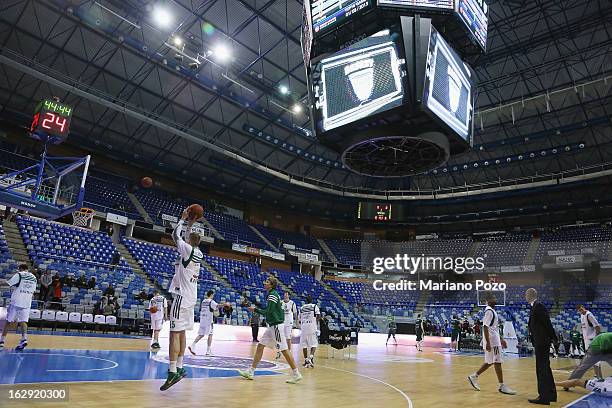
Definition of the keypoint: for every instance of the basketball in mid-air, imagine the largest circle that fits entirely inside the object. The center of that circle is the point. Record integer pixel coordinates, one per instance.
(195, 212)
(146, 182)
(153, 309)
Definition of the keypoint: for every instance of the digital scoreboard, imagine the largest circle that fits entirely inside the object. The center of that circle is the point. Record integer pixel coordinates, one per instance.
(374, 211)
(327, 14)
(474, 15)
(51, 121)
(431, 5)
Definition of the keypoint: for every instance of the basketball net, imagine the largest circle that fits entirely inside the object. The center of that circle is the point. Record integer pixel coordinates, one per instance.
(82, 217)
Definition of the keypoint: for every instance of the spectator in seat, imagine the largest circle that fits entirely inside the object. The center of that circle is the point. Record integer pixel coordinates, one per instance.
(108, 309)
(81, 282)
(45, 285)
(116, 259)
(245, 301)
(57, 293)
(92, 283)
(110, 291)
(67, 281)
(142, 296)
(99, 306)
(227, 312)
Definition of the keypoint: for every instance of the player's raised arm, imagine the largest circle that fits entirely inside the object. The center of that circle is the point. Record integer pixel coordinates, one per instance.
(183, 247)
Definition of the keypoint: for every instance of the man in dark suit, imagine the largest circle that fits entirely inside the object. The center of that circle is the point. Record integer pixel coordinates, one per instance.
(542, 335)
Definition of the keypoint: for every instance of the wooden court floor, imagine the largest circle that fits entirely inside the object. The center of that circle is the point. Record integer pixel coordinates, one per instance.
(378, 376)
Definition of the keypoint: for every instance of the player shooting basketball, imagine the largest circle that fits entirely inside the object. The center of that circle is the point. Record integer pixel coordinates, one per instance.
(184, 287)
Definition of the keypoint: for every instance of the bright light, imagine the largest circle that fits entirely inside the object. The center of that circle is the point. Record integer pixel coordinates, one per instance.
(297, 108)
(178, 41)
(221, 52)
(283, 89)
(162, 17)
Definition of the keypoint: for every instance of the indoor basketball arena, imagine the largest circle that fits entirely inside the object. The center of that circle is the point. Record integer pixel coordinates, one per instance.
(305, 203)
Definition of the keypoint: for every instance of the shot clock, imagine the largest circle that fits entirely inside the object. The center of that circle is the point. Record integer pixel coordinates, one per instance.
(51, 121)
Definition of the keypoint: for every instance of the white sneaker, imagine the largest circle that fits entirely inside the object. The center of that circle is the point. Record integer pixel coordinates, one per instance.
(295, 378)
(474, 381)
(504, 389)
(1, 345)
(208, 353)
(248, 374)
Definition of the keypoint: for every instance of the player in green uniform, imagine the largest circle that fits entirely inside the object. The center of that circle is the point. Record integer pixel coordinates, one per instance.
(274, 336)
(576, 339)
(455, 333)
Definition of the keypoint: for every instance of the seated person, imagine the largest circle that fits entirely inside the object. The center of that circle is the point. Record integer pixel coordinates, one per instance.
(81, 282)
(92, 282)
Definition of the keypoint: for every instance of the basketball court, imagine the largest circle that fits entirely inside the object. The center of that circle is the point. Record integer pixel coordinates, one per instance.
(122, 372)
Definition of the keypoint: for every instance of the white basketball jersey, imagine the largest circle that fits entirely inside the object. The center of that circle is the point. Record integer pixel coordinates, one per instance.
(161, 303)
(588, 330)
(25, 286)
(207, 309)
(289, 309)
(187, 270)
(308, 318)
(491, 320)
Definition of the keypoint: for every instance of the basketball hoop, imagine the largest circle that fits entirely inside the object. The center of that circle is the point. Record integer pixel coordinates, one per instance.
(82, 217)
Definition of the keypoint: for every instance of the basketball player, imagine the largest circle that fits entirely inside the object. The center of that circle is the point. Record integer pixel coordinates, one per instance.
(590, 325)
(274, 336)
(492, 344)
(419, 332)
(290, 313)
(207, 317)
(24, 284)
(184, 287)
(309, 315)
(576, 339)
(598, 386)
(392, 328)
(455, 333)
(158, 318)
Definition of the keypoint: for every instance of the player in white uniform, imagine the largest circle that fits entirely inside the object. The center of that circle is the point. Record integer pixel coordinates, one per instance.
(158, 318)
(207, 317)
(24, 284)
(184, 287)
(290, 310)
(599, 386)
(590, 326)
(492, 345)
(309, 316)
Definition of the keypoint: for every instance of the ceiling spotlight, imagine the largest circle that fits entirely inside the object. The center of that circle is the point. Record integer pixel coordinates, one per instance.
(178, 41)
(162, 17)
(283, 89)
(221, 52)
(297, 108)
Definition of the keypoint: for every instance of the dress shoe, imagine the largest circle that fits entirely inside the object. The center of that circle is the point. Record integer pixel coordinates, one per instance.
(539, 401)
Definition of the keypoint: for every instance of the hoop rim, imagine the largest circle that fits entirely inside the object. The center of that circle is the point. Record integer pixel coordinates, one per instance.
(84, 210)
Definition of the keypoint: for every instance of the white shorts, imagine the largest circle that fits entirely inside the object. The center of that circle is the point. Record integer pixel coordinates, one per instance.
(287, 329)
(181, 318)
(17, 314)
(205, 329)
(603, 388)
(157, 324)
(274, 338)
(494, 356)
(309, 340)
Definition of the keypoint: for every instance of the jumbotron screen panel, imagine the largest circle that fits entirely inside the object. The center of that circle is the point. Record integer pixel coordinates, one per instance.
(474, 14)
(449, 87)
(327, 14)
(420, 4)
(359, 81)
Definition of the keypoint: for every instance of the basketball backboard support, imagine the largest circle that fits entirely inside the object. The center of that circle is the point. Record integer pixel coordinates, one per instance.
(52, 188)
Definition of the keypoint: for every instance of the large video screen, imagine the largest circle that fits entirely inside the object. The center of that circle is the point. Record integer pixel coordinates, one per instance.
(327, 14)
(361, 80)
(374, 211)
(420, 4)
(474, 14)
(449, 87)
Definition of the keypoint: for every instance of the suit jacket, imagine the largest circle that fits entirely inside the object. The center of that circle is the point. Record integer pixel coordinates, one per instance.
(540, 328)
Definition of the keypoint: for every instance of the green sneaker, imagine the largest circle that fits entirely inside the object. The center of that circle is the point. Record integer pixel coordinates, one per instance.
(246, 374)
(182, 372)
(172, 379)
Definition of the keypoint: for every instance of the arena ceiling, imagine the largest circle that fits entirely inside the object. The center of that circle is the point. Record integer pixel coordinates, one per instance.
(238, 121)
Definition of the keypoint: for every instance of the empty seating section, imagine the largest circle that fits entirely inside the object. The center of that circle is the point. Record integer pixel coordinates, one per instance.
(7, 265)
(504, 250)
(301, 241)
(157, 202)
(575, 240)
(235, 230)
(348, 252)
(106, 195)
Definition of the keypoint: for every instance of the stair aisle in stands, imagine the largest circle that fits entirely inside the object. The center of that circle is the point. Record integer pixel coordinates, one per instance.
(15, 243)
